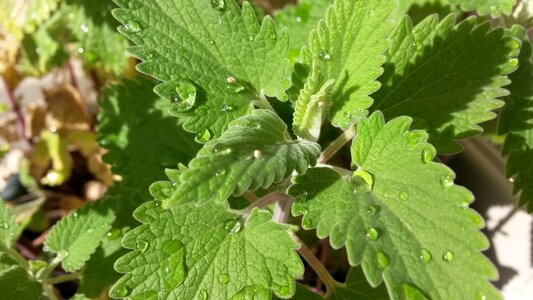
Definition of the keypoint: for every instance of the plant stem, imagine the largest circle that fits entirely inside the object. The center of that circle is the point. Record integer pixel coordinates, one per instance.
(251, 197)
(336, 145)
(50, 268)
(50, 291)
(17, 257)
(16, 109)
(63, 278)
(317, 266)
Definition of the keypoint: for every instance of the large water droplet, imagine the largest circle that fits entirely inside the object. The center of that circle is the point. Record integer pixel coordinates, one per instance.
(258, 154)
(203, 295)
(383, 260)
(425, 256)
(365, 176)
(132, 26)
(447, 181)
(284, 290)
(142, 245)
(372, 210)
(299, 193)
(372, 234)
(203, 136)
(220, 173)
(323, 55)
(404, 196)
(448, 256)
(513, 62)
(219, 5)
(121, 291)
(84, 28)
(308, 223)
(428, 154)
(235, 228)
(4, 225)
(184, 96)
(223, 278)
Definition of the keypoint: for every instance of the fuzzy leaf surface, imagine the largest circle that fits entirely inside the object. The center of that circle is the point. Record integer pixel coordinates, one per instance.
(447, 77)
(516, 121)
(493, 8)
(416, 232)
(78, 235)
(300, 20)
(190, 252)
(251, 154)
(8, 226)
(348, 46)
(219, 48)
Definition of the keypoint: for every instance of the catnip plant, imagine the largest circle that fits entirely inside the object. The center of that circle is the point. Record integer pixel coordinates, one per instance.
(247, 140)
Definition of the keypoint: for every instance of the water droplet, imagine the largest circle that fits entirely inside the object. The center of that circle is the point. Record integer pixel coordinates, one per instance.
(301, 210)
(413, 138)
(113, 234)
(4, 225)
(425, 256)
(308, 223)
(348, 115)
(448, 256)
(300, 194)
(447, 181)
(223, 278)
(74, 214)
(284, 291)
(258, 154)
(45, 249)
(428, 154)
(372, 12)
(142, 245)
(220, 172)
(404, 196)
(412, 292)
(413, 44)
(90, 230)
(514, 44)
(38, 50)
(365, 176)
(323, 55)
(203, 295)
(513, 62)
(203, 136)
(80, 50)
(84, 28)
(481, 296)
(225, 107)
(231, 79)
(298, 19)
(383, 260)
(184, 96)
(211, 42)
(219, 5)
(372, 234)
(131, 26)
(251, 38)
(63, 254)
(371, 209)
(219, 22)
(120, 291)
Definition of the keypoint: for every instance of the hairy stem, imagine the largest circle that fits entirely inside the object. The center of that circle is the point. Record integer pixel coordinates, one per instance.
(251, 197)
(16, 109)
(17, 257)
(267, 200)
(336, 145)
(63, 278)
(317, 266)
(50, 292)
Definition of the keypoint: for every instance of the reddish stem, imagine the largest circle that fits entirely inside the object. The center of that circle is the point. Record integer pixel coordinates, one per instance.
(16, 109)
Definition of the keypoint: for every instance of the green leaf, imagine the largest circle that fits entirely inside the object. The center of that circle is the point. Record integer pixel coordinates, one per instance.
(99, 274)
(133, 117)
(77, 236)
(94, 28)
(8, 226)
(446, 77)
(253, 153)
(399, 215)
(300, 20)
(16, 284)
(190, 252)
(312, 106)
(516, 121)
(347, 47)
(25, 17)
(493, 8)
(217, 47)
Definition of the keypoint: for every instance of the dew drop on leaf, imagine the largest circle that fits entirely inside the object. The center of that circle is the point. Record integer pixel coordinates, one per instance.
(142, 245)
(63, 254)
(223, 278)
(120, 291)
(481, 296)
(448, 256)
(219, 5)
(413, 138)
(203, 136)
(203, 295)
(258, 154)
(308, 223)
(428, 154)
(383, 260)
(301, 211)
(173, 267)
(84, 28)
(411, 292)
(113, 234)
(372, 234)
(225, 107)
(404, 196)
(4, 225)
(365, 176)
(132, 26)
(371, 209)
(425, 256)
(220, 172)
(284, 291)
(251, 38)
(90, 230)
(513, 62)
(323, 55)
(447, 181)
(211, 42)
